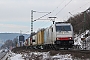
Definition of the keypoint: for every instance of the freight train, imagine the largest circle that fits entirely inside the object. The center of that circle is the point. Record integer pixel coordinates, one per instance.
(58, 35)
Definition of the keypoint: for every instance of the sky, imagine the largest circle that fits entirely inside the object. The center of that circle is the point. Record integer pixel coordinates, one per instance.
(15, 15)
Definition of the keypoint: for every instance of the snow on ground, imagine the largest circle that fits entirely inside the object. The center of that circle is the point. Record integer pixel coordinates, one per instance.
(39, 56)
(62, 57)
(0, 51)
(42, 56)
(17, 57)
(13, 56)
(85, 43)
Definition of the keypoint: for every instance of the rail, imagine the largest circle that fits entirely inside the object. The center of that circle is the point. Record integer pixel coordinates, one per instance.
(3, 55)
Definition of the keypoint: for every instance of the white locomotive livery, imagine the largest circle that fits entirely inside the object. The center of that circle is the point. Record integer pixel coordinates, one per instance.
(60, 34)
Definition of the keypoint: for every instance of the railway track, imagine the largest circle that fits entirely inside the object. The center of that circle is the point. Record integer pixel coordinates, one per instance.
(2, 55)
(42, 47)
(42, 50)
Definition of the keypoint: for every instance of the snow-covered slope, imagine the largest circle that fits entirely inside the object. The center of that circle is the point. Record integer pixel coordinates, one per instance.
(83, 40)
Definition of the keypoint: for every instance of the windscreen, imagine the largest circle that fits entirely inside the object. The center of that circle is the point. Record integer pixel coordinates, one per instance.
(63, 28)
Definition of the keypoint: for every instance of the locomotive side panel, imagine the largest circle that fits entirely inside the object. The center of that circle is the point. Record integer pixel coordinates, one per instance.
(48, 36)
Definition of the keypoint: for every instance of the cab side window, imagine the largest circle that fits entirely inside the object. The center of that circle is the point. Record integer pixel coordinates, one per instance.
(52, 29)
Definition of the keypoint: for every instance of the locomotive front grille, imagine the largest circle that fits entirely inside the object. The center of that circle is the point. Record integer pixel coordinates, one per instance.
(69, 42)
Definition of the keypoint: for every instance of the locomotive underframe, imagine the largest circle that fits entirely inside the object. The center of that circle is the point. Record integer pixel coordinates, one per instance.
(64, 43)
(57, 45)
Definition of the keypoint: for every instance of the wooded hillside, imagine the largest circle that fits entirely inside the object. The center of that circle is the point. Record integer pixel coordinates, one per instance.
(80, 22)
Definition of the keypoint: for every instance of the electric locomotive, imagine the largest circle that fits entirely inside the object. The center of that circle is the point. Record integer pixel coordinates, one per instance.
(59, 34)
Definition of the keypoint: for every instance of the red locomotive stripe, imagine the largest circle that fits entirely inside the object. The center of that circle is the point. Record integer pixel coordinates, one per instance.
(64, 38)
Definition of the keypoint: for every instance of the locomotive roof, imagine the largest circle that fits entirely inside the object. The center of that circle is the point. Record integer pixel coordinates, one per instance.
(60, 22)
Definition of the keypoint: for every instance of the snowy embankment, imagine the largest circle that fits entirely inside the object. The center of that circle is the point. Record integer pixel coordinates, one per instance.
(83, 40)
(13, 56)
(39, 56)
(3, 54)
(45, 56)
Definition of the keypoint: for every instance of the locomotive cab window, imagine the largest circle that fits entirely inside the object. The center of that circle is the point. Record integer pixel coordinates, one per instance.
(63, 28)
(52, 29)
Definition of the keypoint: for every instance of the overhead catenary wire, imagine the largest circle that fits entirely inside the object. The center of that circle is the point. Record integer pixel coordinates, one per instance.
(43, 16)
(63, 7)
(44, 24)
(49, 12)
(54, 10)
(58, 6)
(80, 7)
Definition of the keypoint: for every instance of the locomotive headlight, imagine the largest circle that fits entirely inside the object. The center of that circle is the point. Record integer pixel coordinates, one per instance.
(70, 38)
(57, 39)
